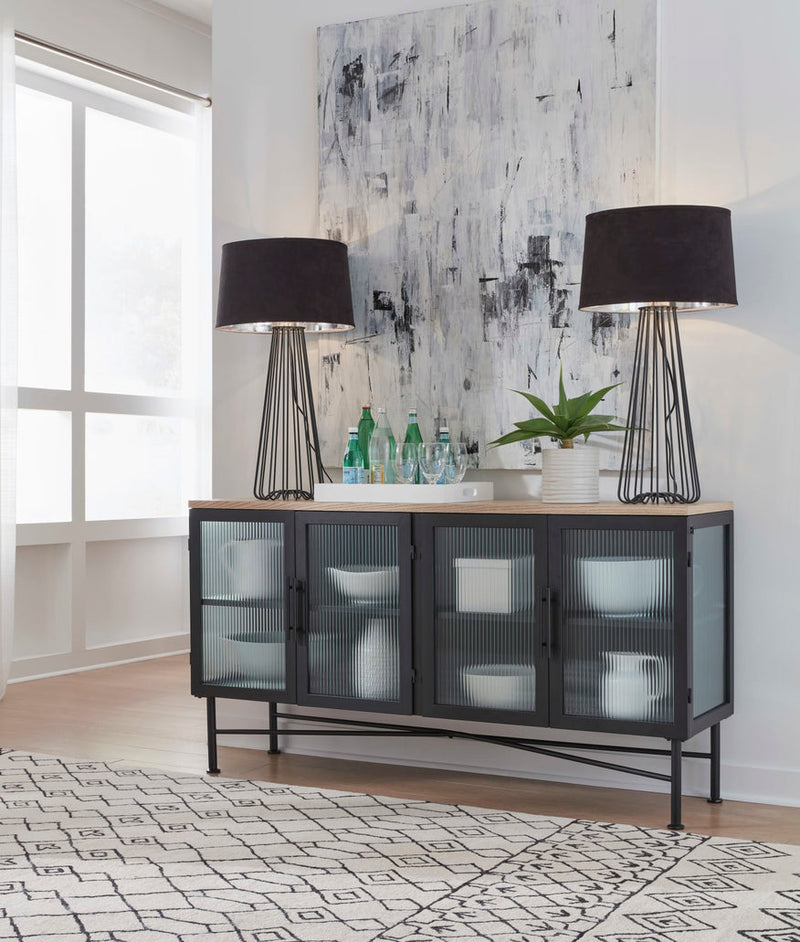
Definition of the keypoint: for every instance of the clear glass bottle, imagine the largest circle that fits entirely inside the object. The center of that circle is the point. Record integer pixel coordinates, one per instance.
(449, 475)
(380, 449)
(413, 435)
(365, 426)
(353, 461)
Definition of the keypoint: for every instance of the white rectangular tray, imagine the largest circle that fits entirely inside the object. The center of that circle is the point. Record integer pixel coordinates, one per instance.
(405, 493)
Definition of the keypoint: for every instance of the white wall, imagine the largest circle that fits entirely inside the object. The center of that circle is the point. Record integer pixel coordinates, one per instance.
(730, 136)
(730, 82)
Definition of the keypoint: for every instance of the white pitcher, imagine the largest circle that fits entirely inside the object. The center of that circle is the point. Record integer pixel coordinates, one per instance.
(632, 682)
(254, 567)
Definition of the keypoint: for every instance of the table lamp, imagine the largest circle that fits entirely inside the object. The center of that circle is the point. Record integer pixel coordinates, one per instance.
(659, 260)
(286, 287)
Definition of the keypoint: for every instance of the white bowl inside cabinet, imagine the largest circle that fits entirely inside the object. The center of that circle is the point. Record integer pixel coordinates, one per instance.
(626, 585)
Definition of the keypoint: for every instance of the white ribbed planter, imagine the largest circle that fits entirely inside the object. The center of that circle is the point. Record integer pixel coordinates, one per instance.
(570, 475)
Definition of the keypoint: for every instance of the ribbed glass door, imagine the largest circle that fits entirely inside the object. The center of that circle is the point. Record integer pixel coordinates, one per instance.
(616, 638)
(486, 647)
(243, 604)
(710, 618)
(355, 638)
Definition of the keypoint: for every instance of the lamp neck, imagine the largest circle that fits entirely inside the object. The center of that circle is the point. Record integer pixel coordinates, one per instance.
(287, 329)
(664, 308)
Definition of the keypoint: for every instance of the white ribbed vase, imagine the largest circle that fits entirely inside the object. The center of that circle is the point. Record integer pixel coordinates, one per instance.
(570, 475)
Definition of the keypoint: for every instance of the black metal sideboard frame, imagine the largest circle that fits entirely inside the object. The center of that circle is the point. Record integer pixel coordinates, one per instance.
(545, 747)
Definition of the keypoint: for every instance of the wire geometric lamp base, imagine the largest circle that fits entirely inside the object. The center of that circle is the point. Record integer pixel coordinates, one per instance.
(288, 460)
(658, 457)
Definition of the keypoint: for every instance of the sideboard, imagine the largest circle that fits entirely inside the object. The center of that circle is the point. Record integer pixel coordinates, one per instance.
(607, 617)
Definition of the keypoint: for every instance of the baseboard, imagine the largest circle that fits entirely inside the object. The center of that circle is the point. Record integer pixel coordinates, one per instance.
(763, 785)
(175, 646)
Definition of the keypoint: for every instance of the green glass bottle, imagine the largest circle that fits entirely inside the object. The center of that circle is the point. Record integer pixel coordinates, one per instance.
(413, 434)
(353, 461)
(390, 477)
(365, 426)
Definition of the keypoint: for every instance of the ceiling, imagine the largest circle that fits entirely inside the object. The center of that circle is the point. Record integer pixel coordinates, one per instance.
(196, 9)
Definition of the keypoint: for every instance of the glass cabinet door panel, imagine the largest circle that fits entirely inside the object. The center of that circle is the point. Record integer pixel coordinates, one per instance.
(243, 604)
(242, 560)
(353, 634)
(485, 625)
(244, 646)
(709, 618)
(617, 628)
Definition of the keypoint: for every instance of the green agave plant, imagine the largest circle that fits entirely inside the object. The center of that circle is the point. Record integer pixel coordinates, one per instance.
(566, 420)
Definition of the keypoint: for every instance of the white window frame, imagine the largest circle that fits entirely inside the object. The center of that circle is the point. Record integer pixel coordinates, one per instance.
(79, 533)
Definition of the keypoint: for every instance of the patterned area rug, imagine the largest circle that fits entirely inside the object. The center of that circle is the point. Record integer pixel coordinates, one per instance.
(105, 854)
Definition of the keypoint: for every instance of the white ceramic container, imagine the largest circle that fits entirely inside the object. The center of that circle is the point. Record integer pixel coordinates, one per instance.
(571, 475)
(366, 585)
(377, 675)
(248, 657)
(625, 585)
(632, 683)
(500, 686)
(254, 568)
(494, 585)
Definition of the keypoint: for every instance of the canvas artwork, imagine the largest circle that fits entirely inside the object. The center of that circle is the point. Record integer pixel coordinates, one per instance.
(460, 150)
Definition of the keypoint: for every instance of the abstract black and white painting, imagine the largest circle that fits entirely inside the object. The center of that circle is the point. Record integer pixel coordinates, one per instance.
(460, 151)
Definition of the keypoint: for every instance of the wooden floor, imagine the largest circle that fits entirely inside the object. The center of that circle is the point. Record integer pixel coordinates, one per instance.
(142, 714)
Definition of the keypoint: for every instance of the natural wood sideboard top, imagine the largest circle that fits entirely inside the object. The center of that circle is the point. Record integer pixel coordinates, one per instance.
(530, 506)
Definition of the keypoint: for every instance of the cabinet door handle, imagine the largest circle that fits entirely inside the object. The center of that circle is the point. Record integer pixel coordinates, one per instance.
(289, 607)
(549, 622)
(544, 617)
(300, 610)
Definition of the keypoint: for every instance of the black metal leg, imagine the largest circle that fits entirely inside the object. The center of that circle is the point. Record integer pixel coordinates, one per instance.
(675, 787)
(273, 730)
(714, 796)
(211, 722)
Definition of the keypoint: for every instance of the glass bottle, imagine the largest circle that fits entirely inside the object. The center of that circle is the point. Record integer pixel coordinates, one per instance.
(365, 426)
(413, 434)
(449, 466)
(353, 461)
(390, 476)
(380, 449)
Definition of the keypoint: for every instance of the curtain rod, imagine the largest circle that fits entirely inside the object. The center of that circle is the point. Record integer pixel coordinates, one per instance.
(114, 70)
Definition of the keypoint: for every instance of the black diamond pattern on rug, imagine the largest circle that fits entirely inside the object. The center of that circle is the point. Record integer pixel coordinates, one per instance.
(699, 901)
(96, 853)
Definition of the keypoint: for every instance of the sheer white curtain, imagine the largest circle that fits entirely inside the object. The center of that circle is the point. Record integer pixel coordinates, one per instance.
(8, 339)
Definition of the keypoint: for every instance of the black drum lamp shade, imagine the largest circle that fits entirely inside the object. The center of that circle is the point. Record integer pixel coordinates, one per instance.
(265, 283)
(286, 287)
(658, 260)
(658, 255)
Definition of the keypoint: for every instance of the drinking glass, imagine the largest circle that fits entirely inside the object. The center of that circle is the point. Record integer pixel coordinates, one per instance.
(456, 463)
(432, 457)
(406, 459)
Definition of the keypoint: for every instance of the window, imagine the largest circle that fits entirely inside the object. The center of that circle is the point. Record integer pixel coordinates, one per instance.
(114, 368)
